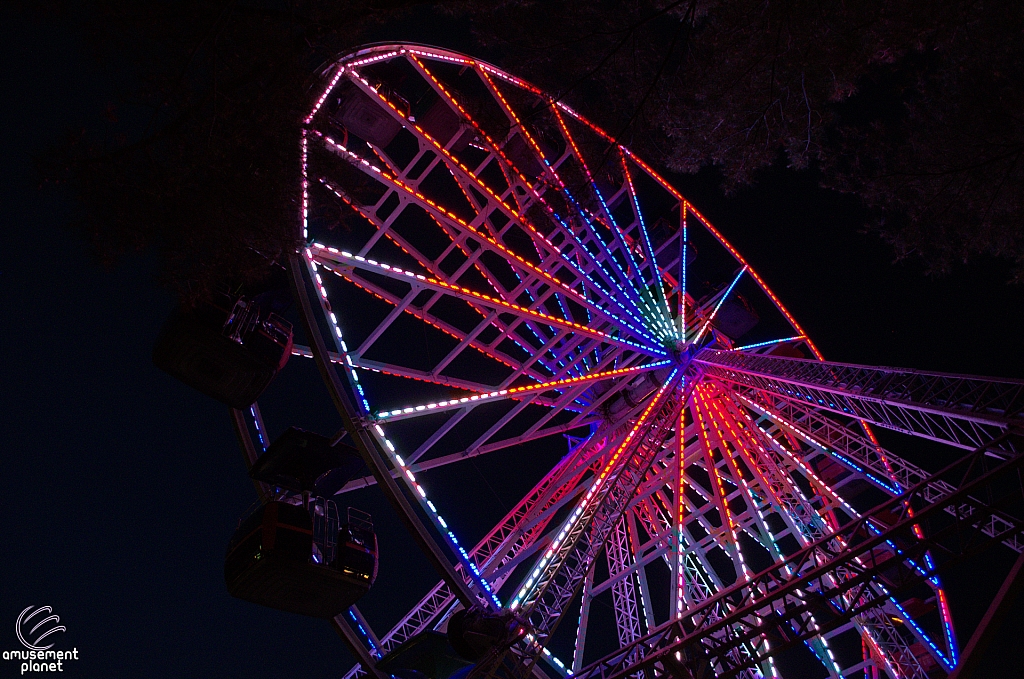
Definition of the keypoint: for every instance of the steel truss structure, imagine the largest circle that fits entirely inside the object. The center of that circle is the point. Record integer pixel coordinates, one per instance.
(834, 576)
(485, 272)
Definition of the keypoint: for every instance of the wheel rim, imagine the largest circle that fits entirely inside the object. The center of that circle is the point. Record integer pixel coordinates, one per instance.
(551, 285)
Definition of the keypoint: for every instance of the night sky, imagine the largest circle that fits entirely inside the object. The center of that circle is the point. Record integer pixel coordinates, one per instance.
(121, 487)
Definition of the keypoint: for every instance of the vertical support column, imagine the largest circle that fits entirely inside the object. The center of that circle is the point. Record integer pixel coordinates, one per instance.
(641, 574)
(581, 630)
(619, 554)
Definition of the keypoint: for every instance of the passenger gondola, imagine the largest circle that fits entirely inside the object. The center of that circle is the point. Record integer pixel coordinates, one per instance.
(294, 552)
(229, 347)
(278, 558)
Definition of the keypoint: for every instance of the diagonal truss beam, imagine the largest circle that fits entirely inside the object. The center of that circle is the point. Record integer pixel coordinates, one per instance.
(858, 454)
(960, 410)
(544, 597)
(515, 534)
(569, 249)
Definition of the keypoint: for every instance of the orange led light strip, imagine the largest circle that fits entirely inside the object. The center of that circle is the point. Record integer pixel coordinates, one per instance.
(512, 392)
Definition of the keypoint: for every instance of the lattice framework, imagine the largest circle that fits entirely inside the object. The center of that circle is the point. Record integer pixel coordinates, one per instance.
(549, 267)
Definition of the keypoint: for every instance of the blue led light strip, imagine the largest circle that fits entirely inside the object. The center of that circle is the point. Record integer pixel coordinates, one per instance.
(636, 296)
(257, 422)
(871, 526)
(362, 163)
(366, 635)
(718, 306)
(651, 349)
(665, 312)
(764, 344)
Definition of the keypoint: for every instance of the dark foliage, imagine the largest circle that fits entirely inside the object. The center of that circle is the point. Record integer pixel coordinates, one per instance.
(913, 106)
(199, 157)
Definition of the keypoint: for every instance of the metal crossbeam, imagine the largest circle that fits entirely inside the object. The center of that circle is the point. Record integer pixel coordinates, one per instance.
(569, 248)
(860, 456)
(620, 559)
(604, 251)
(961, 410)
(368, 447)
(775, 599)
(808, 526)
(623, 473)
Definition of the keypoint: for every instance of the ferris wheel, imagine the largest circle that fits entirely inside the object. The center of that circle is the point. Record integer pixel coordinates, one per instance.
(486, 270)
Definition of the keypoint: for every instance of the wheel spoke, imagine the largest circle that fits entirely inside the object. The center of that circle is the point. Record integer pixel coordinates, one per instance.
(758, 503)
(653, 279)
(603, 256)
(517, 393)
(769, 343)
(345, 264)
(570, 247)
(467, 178)
(718, 305)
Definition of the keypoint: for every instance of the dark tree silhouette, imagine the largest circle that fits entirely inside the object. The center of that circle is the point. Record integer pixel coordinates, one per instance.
(198, 156)
(913, 106)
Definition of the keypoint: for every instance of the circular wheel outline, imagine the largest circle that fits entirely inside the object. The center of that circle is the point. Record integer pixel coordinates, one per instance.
(313, 254)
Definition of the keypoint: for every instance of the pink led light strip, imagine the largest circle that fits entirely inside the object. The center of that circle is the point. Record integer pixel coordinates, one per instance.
(735, 470)
(823, 488)
(723, 501)
(612, 464)
(432, 206)
(580, 250)
(636, 298)
(944, 611)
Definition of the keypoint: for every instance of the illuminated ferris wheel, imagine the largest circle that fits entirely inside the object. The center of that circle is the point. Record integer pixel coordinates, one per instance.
(484, 270)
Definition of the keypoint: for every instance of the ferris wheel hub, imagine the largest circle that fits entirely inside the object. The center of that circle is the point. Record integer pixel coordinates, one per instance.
(682, 353)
